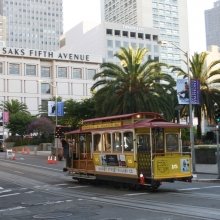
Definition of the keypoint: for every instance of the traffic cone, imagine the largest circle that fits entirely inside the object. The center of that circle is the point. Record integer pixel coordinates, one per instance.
(48, 160)
(55, 160)
(22, 150)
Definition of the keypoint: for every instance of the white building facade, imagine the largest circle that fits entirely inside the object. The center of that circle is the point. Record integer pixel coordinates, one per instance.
(35, 24)
(168, 17)
(105, 39)
(35, 76)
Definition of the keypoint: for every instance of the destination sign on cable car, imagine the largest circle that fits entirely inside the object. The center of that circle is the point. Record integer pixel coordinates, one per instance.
(102, 125)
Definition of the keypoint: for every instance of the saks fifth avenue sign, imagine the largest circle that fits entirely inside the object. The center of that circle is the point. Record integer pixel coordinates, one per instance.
(45, 54)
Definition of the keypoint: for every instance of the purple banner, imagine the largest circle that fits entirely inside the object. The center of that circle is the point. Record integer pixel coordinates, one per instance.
(195, 92)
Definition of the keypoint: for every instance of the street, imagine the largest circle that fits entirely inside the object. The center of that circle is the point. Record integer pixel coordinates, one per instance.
(32, 189)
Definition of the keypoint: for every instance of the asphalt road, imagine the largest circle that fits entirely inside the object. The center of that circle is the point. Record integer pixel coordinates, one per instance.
(30, 188)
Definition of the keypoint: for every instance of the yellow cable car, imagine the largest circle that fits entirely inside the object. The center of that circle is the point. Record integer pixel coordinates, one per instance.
(138, 149)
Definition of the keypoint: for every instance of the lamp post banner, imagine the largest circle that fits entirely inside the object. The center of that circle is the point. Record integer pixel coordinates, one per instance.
(60, 108)
(183, 91)
(195, 92)
(51, 108)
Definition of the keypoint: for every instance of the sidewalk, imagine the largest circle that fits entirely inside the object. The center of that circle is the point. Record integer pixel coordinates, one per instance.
(206, 172)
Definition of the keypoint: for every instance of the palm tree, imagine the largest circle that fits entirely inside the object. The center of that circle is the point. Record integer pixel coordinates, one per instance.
(209, 77)
(133, 85)
(14, 106)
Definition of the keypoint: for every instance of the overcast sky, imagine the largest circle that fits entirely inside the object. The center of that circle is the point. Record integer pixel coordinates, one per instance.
(76, 11)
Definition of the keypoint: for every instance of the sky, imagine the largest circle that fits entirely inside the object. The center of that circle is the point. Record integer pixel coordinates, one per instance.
(76, 11)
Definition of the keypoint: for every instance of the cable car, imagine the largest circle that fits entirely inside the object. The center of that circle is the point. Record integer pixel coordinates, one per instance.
(140, 149)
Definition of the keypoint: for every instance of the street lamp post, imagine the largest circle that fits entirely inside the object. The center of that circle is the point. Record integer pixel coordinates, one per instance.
(55, 88)
(186, 54)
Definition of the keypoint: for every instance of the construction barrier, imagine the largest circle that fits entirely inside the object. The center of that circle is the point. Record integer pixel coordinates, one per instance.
(10, 154)
(52, 160)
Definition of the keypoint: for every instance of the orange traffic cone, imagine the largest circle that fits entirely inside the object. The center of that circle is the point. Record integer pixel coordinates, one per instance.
(55, 159)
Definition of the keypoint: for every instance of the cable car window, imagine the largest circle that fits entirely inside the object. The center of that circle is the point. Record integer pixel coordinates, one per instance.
(106, 141)
(143, 142)
(158, 140)
(172, 143)
(117, 141)
(97, 142)
(128, 141)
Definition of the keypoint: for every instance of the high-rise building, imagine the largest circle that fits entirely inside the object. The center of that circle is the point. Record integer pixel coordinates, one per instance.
(35, 24)
(212, 25)
(169, 17)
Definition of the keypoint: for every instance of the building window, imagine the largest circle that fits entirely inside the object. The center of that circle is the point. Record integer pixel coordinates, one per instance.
(45, 71)
(14, 69)
(110, 54)
(155, 38)
(62, 72)
(140, 35)
(117, 44)
(117, 33)
(125, 34)
(76, 73)
(1, 68)
(110, 43)
(133, 34)
(91, 73)
(109, 31)
(31, 70)
(45, 88)
(147, 36)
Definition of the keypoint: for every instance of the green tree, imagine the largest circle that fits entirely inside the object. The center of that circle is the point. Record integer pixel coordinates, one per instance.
(133, 85)
(76, 111)
(209, 77)
(18, 123)
(14, 106)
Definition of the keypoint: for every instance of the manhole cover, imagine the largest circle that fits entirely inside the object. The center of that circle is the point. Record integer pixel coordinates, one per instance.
(52, 215)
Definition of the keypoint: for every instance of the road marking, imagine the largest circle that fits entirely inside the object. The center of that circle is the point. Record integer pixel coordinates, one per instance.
(17, 172)
(13, 194)
(75, 187)
(205, 187)
(189, 189)
(29, 192)
(1, 188)
(61, 184)
(4, 191)
(12, 209)
(135, 194)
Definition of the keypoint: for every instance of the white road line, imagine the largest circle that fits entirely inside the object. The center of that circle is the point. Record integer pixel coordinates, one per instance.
(61, 184)
(1, 188)
(205, 187)
(29, 192)
(7, 190)
(135, 194)
(12, 209)
(75, 187)
(17, 172)
(13, 194)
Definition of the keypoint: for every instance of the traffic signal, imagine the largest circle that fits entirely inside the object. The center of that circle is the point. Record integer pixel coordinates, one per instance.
(60, 130)
(217, 115)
